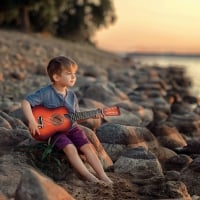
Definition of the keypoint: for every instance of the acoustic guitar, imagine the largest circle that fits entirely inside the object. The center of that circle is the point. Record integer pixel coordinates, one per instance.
(52, 120)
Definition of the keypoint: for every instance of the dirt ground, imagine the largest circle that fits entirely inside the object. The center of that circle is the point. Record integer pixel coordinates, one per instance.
(122, 188)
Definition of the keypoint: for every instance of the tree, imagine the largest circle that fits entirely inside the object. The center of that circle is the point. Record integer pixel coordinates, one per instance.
(18, 12)
(81, 19)
(74, 19)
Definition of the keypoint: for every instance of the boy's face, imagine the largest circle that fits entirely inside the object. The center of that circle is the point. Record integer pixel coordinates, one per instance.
(66, 78)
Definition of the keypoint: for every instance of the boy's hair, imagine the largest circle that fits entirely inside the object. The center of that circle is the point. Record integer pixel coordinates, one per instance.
(57, 64)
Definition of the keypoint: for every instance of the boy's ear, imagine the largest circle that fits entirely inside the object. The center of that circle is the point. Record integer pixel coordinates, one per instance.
(55, 77)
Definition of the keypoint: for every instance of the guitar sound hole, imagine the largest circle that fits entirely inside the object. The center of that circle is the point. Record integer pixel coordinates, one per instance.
(57, 119)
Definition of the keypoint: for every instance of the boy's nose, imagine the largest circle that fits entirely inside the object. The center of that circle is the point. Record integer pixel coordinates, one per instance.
(73, 75)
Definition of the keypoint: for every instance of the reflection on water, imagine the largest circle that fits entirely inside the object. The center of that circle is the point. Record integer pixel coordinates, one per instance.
(190, 64)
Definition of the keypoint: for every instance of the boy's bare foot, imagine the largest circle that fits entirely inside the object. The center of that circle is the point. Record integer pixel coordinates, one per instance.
(92, 178)
(106, 179)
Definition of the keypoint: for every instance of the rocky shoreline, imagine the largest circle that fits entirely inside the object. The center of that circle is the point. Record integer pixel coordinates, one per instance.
(150, 151)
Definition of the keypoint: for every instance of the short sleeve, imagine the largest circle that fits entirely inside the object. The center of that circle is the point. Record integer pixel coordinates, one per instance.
(35, 98)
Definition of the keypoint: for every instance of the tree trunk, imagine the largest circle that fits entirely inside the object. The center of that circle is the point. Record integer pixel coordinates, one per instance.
(24, 20)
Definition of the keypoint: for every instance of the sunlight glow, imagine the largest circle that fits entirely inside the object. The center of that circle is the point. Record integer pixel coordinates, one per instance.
(156, 25)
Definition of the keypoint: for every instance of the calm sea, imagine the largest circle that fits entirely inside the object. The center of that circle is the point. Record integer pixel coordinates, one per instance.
(191, 64)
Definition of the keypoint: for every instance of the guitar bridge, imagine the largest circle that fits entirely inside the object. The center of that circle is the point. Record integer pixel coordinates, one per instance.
(40, 122)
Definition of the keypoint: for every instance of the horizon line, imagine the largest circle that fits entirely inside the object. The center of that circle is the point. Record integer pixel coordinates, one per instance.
(139, 53)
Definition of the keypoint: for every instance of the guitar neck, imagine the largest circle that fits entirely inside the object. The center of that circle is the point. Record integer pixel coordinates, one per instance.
(83, 115)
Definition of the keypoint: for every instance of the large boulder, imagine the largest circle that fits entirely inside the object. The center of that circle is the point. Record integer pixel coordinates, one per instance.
(34, 185)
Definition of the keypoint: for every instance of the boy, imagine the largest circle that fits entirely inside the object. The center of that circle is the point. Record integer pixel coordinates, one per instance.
(62, 73)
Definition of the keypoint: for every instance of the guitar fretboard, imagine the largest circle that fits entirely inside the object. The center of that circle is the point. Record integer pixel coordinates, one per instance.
(83, 115)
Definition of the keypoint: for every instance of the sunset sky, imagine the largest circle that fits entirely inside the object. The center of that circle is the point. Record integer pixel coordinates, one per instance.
(153, 25)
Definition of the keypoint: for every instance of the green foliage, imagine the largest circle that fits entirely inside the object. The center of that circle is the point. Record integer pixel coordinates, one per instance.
(18, 12)
(44, 157)
(81, 19)
(74, 19)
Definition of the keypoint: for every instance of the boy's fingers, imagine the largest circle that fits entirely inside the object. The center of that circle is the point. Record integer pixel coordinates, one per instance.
(37, 131)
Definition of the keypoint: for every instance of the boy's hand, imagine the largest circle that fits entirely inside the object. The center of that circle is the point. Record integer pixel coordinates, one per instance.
(33, 128)
(98, 116)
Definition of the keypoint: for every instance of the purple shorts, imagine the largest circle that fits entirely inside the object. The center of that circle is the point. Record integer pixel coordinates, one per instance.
(74, 136)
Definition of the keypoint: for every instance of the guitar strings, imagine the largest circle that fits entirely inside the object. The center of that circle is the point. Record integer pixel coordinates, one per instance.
(47, 121)
(72, 117)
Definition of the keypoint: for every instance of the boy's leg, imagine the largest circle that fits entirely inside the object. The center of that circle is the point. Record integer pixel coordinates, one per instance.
(75, 160)
(62, 142)
(78, 137)
(94, 161)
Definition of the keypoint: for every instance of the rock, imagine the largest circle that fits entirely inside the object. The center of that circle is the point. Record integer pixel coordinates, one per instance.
(13, 122)
(18, 75)
(117, 138)
(169, 137)
(11, 138)
(139, 163)
(3, 197)
(164, 154)
(190, 176)
(114, 150)
(141, 99)
(187, 124)
(177, 162)
(118, 134)
(106, 93)
(125, 118)
(172, 175)
(11, 167)
(4, 123)
(92, 71)
(176, 190)
(101, 153)
(36, 186)
(192, 148)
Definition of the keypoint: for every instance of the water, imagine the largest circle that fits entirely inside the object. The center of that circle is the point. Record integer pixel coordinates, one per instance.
(191, 64)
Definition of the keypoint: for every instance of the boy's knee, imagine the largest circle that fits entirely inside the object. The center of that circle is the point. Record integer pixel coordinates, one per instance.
(70, 149)
(86, 147)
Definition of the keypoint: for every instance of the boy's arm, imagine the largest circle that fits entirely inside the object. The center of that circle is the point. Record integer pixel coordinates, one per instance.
(33, 126)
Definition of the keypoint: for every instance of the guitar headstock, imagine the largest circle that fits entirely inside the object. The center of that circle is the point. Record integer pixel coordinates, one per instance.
(111, 111)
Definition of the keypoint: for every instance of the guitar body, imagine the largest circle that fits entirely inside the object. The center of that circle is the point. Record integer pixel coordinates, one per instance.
(51, 120)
